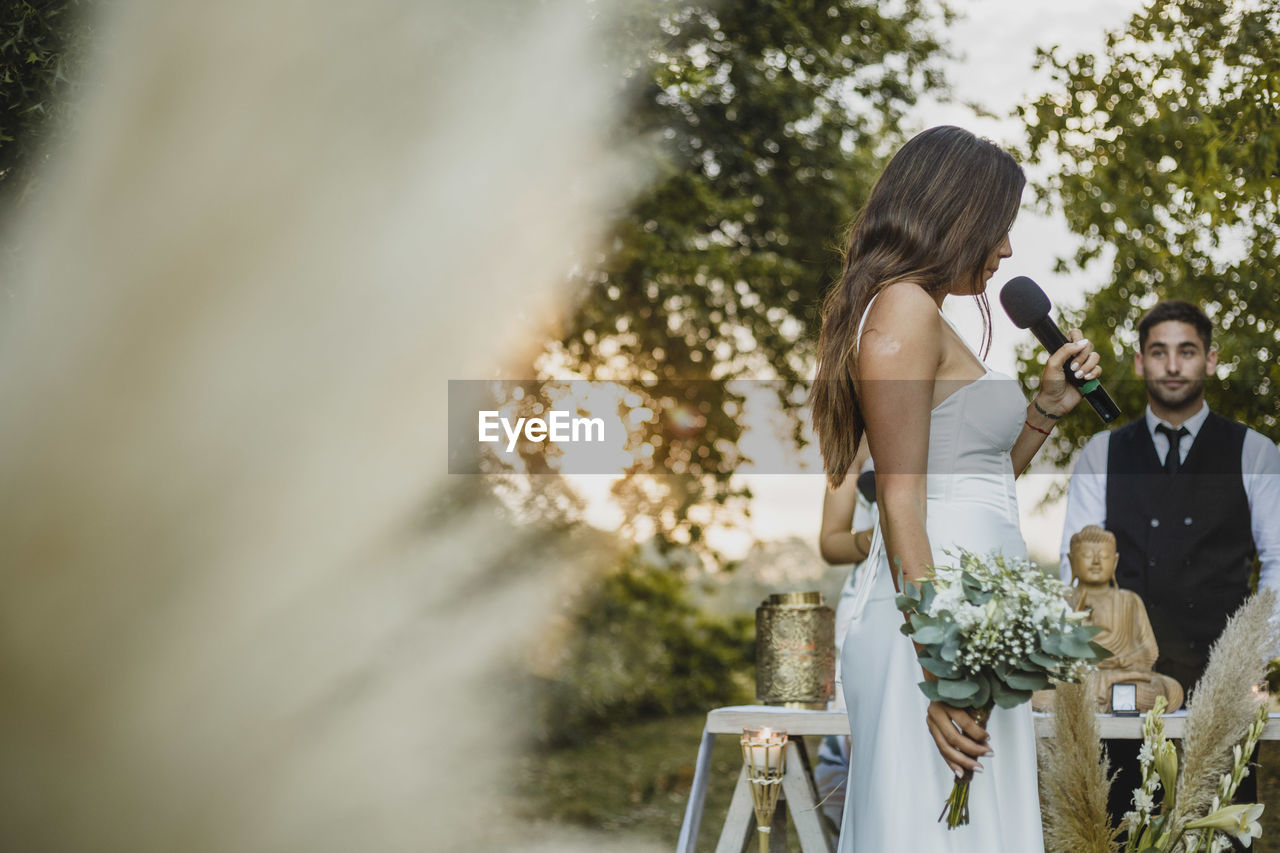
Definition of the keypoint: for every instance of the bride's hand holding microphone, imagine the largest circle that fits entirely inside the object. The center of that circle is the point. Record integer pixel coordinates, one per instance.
(1057, 396)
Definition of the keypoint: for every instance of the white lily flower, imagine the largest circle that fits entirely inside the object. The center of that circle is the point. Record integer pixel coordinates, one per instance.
(1250, 826)
(1240, 821)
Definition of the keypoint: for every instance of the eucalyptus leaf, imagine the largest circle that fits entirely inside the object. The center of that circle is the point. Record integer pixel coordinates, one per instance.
(929, 633)
(1052, 644)
(1092, 630)
(953, 689)
(1008, 697)
(949, 645)
(1083, 633)
(1071, 647)
(977, 596)
(908, 588)
(1100, 652)
(983, 696)
(1027, 681)
(939, 667)
(1042, 659)
(926, 595)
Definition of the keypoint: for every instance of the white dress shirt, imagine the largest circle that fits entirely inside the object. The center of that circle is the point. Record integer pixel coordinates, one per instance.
(1260, 473)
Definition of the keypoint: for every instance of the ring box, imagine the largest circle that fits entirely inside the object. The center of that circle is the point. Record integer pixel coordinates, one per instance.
(1124, 699)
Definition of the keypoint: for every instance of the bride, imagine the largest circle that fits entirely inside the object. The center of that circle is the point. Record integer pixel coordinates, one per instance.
(947, 436)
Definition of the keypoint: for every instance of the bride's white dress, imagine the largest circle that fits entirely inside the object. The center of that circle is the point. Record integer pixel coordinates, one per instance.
(898, 782)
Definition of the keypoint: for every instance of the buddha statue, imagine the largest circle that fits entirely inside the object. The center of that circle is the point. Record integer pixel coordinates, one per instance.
(1126, 630)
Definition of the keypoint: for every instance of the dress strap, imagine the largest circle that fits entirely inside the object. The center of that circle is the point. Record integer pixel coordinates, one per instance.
(862, 322)
(971, 350)
(872, 564)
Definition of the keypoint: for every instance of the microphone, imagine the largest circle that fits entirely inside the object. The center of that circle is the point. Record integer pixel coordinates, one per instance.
(1028, 308)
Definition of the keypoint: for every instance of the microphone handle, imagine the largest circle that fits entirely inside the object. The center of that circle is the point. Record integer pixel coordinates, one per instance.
(1052, 339)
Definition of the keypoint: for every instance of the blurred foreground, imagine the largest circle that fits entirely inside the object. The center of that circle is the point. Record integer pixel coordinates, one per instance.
(271, 235)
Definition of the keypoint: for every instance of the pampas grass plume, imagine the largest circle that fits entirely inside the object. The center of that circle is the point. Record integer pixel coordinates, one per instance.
(1223, 706)
(1073, 777)
(273, 235)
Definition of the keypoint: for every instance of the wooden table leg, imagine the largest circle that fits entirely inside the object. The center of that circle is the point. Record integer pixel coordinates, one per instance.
(802, 800)
(740, 822)
(688, 842)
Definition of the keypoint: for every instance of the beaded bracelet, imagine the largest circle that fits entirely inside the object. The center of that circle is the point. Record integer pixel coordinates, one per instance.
(1043, 412)
(1036, 428)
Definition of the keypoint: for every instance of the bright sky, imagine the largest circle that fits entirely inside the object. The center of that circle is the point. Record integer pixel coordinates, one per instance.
(996, 42)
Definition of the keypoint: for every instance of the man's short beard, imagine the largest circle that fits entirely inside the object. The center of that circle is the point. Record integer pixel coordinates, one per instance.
(1189, 393)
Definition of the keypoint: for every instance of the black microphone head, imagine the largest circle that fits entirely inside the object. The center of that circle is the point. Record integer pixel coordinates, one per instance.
(1024, 302)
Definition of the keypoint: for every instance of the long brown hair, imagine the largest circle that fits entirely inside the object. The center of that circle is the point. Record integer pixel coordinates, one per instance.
(941, 206)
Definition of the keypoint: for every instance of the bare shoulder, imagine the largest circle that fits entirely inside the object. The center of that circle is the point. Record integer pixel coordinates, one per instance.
(903, 297)
(902, 332)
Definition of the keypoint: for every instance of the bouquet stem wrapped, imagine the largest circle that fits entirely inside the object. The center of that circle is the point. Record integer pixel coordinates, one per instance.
(956, 810)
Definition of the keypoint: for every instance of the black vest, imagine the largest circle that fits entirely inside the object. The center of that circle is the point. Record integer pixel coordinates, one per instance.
(1185, 542)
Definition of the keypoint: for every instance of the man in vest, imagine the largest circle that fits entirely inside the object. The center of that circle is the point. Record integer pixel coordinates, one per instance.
(1191, 498)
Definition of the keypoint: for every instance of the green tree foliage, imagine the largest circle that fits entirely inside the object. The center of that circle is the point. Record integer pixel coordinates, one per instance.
(771, 117)
(42, 43)
(637, 646)
(1166, 149)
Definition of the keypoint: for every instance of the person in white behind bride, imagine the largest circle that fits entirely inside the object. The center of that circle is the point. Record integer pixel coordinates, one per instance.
(947, 436)
(848, 525)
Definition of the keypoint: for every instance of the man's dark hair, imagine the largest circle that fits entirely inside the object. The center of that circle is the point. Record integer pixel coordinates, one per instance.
(1177, 310)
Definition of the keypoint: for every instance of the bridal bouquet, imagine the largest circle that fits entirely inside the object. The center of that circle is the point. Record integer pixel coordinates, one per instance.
(993, 630)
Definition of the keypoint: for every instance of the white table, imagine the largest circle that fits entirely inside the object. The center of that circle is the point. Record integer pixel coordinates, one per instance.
(797, 783)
